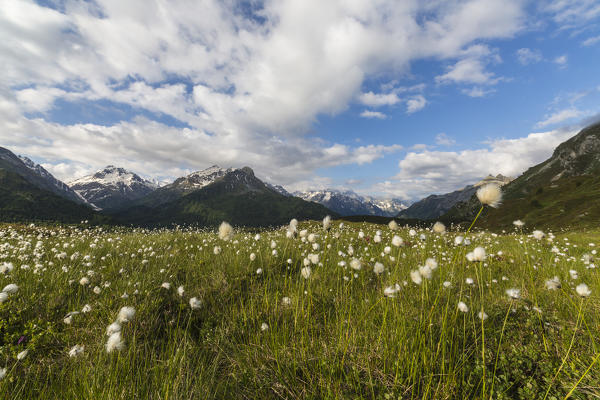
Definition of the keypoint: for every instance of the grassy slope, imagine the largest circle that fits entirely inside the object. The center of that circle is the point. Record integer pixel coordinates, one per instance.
(337, 338)
(223, 200)
(22, 201)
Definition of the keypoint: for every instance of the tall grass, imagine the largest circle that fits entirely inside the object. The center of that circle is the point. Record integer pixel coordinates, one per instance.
(340, 337)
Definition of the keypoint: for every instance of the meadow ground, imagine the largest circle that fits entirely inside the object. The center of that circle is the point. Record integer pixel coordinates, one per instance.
(356, 311)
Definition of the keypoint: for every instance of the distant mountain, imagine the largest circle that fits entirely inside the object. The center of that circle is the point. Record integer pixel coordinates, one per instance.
(436, 205)
(37, 175)
(214, 195)
(279, 189)
(560, 192)
(350, 203)
(112, 187)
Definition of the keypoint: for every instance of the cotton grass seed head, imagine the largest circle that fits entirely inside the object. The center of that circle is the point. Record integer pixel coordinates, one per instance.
(583, 290)
(462, 307)
(513, 293)
(126, 314)
(195, 303)
(115, 342)
(439, 227)
(225, 231)
(490, 195)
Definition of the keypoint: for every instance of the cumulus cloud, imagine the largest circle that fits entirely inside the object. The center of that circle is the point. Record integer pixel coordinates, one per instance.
(442, 139)
(426, 172)
(559, 116)
(373, 114)
(415, 104)
(561, 61)
(528, 56)
(248, 85)
(378, 99)
(471, 69)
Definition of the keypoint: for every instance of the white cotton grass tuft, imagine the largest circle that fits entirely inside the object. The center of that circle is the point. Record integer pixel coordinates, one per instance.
(76, 350)
(115, 342)
(482, 315)
(397, 241)
(286, 301)
(306, 271)
(166, 285)
(490, 195)
(391, 291)
(3, 297)
(478, 254)
(225, 231)
(393, 225)
(439, 227)
(553, 284)
(2, 373)
(195, 303)
(518, 223)
(86, 309)
(583, 290)
(22, 354)
(415, 276)
(378, 268)
(11, 288)
(327, 223)
(539, 235)
(113, 328)
(355, 264)
(180, 291)
(126, 314)
(462, 307)
(513, 293)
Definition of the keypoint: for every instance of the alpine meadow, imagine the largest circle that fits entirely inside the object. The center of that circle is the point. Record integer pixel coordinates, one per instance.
(299, 199)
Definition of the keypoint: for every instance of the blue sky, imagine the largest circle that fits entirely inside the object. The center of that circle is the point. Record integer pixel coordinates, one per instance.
(395, 99)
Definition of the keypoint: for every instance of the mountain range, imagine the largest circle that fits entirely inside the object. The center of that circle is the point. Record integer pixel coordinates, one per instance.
(350, 203)
(436, 205)
(561, 191)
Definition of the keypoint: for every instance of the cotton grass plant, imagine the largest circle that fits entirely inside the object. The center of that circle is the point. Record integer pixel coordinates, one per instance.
(334, 313)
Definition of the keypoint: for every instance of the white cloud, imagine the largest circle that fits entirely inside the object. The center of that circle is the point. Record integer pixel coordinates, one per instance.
(442, 139)
(571, 14)
(561, 61)
(471, 69)
(378, 99)
(591, 41)
(426, 172)
(415, 104)
(249, 91)
(528, 56)
(559, 116)
(477, 91)
(373, 114)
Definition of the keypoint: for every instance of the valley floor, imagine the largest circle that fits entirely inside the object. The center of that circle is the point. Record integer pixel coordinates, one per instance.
(358, 311)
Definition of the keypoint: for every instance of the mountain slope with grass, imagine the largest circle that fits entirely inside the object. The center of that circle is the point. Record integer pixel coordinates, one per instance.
(20, 200)
(236, 196)
(561, 192)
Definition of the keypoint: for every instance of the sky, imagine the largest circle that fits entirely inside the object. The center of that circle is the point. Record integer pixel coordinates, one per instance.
(389, 98)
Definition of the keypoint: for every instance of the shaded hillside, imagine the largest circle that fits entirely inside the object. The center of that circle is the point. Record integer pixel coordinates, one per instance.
(21, 201)
(238, 197)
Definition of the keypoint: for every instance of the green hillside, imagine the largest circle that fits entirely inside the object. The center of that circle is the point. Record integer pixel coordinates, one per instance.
(239, 198)
(23, 201)
(561, 192)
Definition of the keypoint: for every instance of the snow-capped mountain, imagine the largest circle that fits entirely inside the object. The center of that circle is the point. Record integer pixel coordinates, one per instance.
(391, 207)
(351, 203)
(199, 179)
(112, 187)
(279, 189)
(37, 175)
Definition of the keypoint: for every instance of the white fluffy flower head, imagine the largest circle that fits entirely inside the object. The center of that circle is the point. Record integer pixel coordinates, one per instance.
(490, 195)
